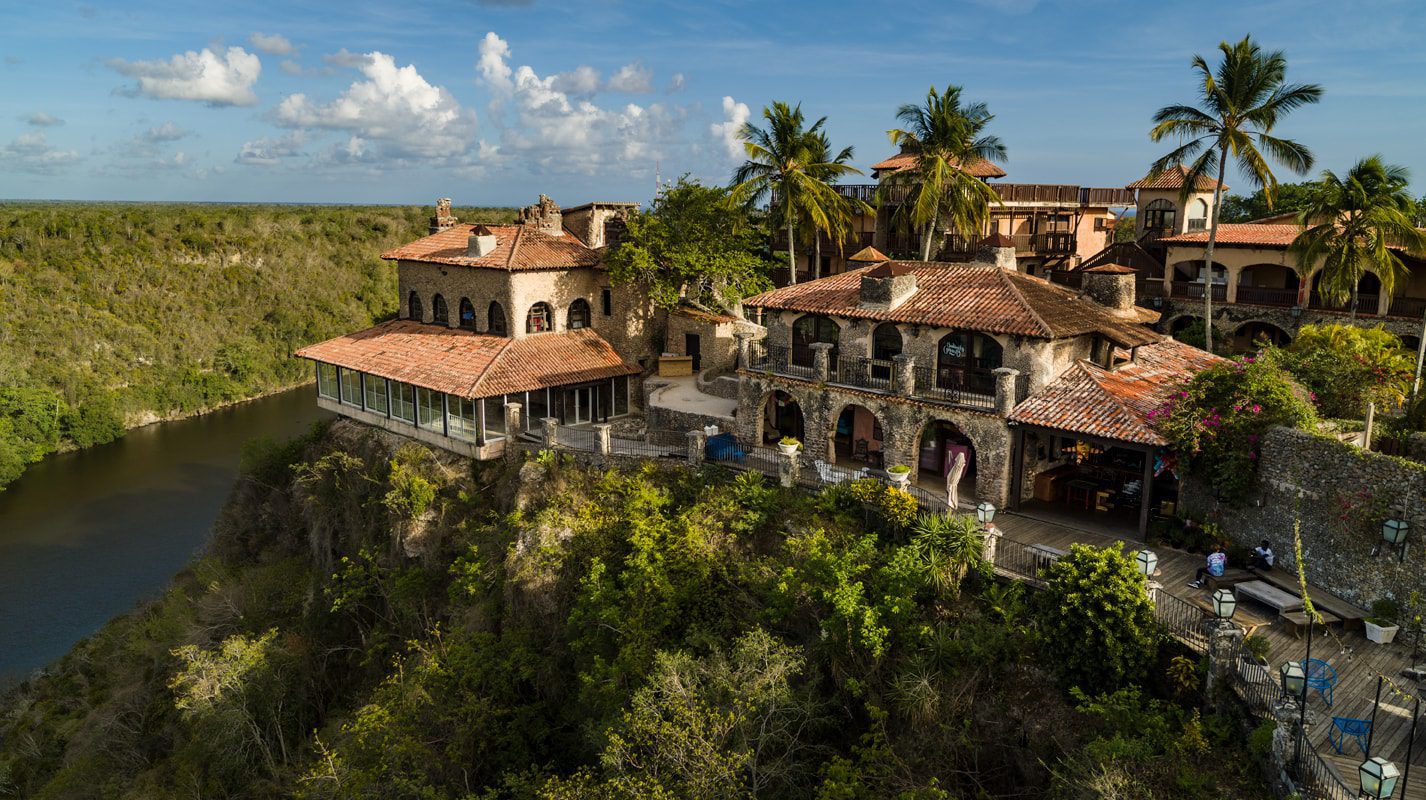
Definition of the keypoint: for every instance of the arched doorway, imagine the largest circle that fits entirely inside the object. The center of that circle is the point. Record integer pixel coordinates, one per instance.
(496, 319)
(1252, 336)
(467, 314)
(413, 308)
(857, 437)
(1184, 322)
(966, 360)
(941, 442)
(885, 346)
(809, 330)
(782, 416)
(439, 315)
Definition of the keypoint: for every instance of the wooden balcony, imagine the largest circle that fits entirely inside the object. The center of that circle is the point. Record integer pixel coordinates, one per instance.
(1414, 307)
(1260, 296)
(1033, 194)
(1194, 291)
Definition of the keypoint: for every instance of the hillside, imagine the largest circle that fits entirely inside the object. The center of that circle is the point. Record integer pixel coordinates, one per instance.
(379, 620)
(114, 315)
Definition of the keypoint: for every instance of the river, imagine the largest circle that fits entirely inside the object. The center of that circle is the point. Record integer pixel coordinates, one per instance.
(85, 536)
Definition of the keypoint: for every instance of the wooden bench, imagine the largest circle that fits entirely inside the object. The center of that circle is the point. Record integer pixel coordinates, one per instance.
(1324, 601)
(1271, 596)
(1245, 619)
(1298, 620)
(1229, 578)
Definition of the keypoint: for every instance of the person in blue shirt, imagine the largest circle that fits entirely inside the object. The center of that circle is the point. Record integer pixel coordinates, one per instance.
(1217, 562)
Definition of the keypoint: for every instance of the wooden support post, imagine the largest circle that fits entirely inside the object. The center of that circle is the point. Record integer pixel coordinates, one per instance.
(1146, 493)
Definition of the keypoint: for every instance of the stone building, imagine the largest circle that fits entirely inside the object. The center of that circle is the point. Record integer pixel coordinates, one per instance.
(916, 363)
(496, 315)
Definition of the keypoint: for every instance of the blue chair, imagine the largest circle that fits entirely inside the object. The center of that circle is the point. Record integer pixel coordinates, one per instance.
(1345, 727)
(1322, 677)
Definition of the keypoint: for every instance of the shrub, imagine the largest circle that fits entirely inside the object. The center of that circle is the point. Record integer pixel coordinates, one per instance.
(1347, 366)
(1257, 646)
(1217, 421)
(1098, 621)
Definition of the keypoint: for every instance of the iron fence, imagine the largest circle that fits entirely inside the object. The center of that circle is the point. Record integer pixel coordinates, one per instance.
(1255, 683)
(868, 373)
(577, 438)
(1181, 619)
(1316, 778)
(654, 445)
(1026, 562)
(941, 385)
(762, 459)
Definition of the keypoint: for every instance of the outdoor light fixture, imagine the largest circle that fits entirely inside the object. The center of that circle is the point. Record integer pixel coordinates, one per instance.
(1148, 562)
(1378, 777)
(1296, 312)
(1224, 604)
(985, 512)
(1394, 531)
(1294, 679)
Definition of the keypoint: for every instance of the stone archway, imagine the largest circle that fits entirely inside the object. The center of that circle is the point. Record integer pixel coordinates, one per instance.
(938, 444)
(855, 436)
(781, 415)
(1251, 334)
(1181, 322)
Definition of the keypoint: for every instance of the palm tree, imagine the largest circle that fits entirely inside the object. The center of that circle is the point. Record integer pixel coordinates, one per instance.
(946, 138)
(783, 159)
(842, 211)
(1239, 104)
(1356, 224)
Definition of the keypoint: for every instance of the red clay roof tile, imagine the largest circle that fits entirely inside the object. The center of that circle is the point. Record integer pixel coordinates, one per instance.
(900, 161)
(1242, 234)
(1173, 178)
(517, 248)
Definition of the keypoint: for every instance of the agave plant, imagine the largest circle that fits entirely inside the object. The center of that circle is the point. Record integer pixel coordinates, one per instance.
(949, 546)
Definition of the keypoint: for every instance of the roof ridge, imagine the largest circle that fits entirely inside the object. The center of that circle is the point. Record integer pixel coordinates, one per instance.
(514, 248)
(494, 362)
(1025, 303)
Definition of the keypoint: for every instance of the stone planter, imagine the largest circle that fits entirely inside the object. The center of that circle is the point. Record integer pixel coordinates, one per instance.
(787, 449)
(1381, 634)
(899, 479)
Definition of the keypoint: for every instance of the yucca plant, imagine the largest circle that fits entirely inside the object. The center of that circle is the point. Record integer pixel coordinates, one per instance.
(949, 546)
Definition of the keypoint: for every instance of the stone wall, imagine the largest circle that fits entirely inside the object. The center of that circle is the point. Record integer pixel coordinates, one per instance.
(1229, 317)
(1320, 481)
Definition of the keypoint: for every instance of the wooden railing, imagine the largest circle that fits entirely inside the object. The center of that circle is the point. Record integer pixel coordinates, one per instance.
(1407, 307)
(1193, 290)
(1266, 297)
(1035, 193)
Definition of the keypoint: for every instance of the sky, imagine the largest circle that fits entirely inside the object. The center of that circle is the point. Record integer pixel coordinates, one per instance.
(492, 102)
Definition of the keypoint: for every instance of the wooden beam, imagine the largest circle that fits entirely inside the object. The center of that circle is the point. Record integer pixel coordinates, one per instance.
(1146, 493)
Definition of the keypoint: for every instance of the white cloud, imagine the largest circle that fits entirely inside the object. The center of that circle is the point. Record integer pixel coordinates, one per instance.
(582, 80)
(346, 58)
(547, 125)
(31, 152)
(735, 116)
(167, 132)
(274, 45)
(206, 76)
(631, 78)
(675, 84)
(395, 109)
(40, 119)
(267, 152)
(290, 67)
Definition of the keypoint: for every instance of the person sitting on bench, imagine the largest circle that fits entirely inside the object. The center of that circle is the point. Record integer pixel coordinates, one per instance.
(1217, 562)
(1262, 557)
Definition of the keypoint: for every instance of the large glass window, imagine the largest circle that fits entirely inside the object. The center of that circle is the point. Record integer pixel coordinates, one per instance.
(403, 402)
(467, 314)
(621, 395)
(494, 417)
(327, 380)
(810, 330)
(538, 408)
(413, 307)
(351, 387)
(965, 359)
(430, 410)
(578, 315)
(375, 394)
(439, 314)
(604, 403)
(539, 319)
(497, 320)
(462, 422)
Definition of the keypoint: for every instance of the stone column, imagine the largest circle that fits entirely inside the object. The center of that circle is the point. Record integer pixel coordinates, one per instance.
(512, 431)
(1231, 292)
(1225, 643)
(549, 426)
(822, 361)
(903, 375)
(992, 543)
(1005, 390)
(697, 446)
(744, 343)
(606, 445)
(1383, 304)
(787, 469)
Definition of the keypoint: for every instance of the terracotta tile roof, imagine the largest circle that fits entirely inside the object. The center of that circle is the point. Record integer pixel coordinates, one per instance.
(1173, 178)
(1115, 404)
(517, 247)
(900, 161)
(1241, 234)
(703, 314)
(868, 254)
(1111, 269)
(469, 364)
(967, 296)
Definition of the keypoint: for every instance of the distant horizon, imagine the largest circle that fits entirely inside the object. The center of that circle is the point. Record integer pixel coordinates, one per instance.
(158, 102)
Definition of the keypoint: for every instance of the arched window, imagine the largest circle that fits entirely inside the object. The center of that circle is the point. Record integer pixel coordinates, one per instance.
(497, 320)
(467, 314)
(439, 315)
(886, 342)
(1160, 217)
(413, 308)
(578, 315)
(1198, 215)
(965, 360)
(810, 330)
(539, 319)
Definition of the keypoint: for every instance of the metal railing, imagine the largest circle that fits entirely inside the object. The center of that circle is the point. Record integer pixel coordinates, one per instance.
(1317, 778)
(655, 444)
(1026, 562)
(763, 357)
(1407, 307)
(1256, 684)
(577, 438)
(1181, 619)
(1193, 290)
(943, 386)
(868, 373)
(1266, 297)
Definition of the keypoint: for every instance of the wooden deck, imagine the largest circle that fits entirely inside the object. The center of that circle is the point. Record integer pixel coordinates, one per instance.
(1358, 662)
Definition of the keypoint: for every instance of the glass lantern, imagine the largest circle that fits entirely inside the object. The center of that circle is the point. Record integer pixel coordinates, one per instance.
(1378, 777)
(1294, 679)
(1148, 562)
(1394, 531)
(1224, 604)
(985, 512)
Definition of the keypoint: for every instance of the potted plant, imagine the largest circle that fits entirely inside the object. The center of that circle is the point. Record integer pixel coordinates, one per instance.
(789, 445)
(1381, 625)
(900, 475)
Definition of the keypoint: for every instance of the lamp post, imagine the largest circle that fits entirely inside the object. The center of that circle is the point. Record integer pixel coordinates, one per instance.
(1394, 532)
(1148, 563)
(985, 512)
(1378, 778)
(1224, 604)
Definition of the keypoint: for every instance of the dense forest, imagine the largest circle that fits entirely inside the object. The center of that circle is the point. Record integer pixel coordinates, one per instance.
(380, 620)
(113, 315)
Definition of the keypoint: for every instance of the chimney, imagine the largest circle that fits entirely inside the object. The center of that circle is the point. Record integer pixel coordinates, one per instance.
(543, 216)
(1112, 286)
(443, 221)
(998, 250)
(887, 286)
(480, 243)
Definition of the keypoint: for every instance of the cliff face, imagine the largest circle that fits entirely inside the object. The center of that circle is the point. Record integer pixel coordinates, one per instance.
(375, 619)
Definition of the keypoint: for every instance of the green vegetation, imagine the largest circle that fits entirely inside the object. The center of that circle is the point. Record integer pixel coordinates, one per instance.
(562, 632)
(1285, 198)
(1347, 366)
(120, 314)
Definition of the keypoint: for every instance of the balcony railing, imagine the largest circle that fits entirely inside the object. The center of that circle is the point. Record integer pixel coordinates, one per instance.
(1407, 307)
(1194, 290)
(1266, 297)
(1030, 193)
(1048, 242)
(974, 390)
(869, 373)
(955, 387)
(1366, 303)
